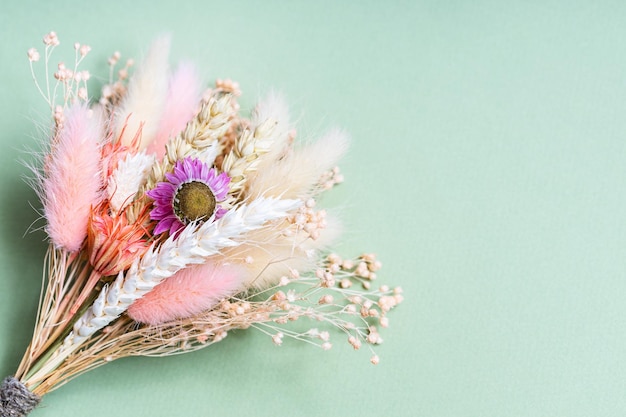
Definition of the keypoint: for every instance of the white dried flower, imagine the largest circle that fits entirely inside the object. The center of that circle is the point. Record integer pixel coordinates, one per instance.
(125, 181)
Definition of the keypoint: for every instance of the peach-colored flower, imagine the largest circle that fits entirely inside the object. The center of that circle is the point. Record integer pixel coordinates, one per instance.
(113, 243)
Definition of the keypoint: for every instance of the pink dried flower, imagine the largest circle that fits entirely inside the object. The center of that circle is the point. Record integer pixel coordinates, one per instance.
(187, 293)
(191, 193)
(72, 182)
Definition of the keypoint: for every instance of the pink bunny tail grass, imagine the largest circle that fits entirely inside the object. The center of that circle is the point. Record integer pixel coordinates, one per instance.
(187, 293)
(181, 105)
(72, 179)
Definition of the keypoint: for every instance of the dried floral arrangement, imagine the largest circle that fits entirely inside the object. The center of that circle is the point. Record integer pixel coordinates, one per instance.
(173, 219)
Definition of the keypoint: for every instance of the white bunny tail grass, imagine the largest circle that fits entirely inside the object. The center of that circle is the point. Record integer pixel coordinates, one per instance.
(304, 167)
(143, 104)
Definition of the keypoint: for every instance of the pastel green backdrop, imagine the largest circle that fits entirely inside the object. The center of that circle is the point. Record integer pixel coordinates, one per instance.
(487, 171)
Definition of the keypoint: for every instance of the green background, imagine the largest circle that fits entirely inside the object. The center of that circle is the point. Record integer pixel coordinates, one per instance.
(487, 171)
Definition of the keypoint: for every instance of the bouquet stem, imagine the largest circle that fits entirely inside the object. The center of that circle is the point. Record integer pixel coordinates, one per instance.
(59, 310)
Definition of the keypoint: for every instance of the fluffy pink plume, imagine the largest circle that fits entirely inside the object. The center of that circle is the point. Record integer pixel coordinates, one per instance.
(181, 105)
(187, 293)
(72, 181)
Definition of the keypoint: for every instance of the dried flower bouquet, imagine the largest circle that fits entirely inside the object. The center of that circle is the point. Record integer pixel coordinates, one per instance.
(173, 219)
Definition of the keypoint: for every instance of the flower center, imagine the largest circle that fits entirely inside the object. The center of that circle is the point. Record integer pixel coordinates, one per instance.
(194, 201)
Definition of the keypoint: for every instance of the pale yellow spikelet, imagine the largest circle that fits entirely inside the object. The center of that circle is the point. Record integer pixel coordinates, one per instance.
(244, 158)
(274, 107)
(199, 139)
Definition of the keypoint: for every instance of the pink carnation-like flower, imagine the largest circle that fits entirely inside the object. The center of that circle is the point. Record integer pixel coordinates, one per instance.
(190, 194)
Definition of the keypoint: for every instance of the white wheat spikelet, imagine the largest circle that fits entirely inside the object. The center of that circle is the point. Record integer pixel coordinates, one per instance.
(125, 181)
(192, 246)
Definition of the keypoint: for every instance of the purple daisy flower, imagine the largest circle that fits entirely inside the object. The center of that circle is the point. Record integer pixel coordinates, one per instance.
(191, 193)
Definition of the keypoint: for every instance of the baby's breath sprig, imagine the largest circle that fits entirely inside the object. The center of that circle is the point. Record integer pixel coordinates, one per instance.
(114, 91)
(330, 178)
(72, 81)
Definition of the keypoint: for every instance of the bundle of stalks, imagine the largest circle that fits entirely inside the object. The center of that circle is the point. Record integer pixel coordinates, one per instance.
(173, 219)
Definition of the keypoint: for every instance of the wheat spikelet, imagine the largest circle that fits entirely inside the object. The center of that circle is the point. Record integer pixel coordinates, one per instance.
(244, 157)
(200, 138)
(274, 106)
